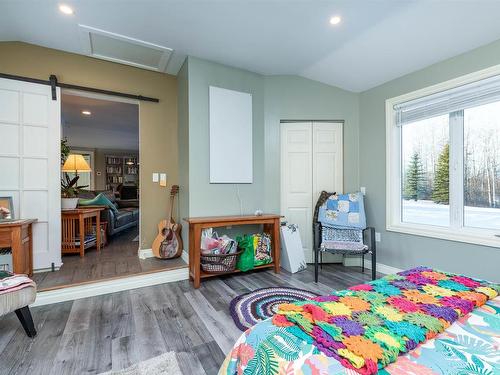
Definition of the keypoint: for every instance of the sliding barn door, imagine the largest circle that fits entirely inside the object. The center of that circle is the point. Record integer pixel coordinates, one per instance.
(30, 134)
(311, 161)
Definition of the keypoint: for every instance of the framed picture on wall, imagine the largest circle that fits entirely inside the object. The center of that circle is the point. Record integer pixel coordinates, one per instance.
(6, 208)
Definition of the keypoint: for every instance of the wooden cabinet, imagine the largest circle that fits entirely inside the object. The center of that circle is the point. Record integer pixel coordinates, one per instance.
(271, 224)
(18, 235)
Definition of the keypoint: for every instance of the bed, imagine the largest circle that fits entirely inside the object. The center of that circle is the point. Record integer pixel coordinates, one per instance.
(471, 345)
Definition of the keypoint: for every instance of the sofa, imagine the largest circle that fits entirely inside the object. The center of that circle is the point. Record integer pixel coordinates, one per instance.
(126, 216)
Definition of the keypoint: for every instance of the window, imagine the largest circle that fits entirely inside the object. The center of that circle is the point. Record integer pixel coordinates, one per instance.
(86, 178)
(443, 160)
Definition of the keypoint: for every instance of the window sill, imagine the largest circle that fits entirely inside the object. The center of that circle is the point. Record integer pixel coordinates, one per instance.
(467, 236)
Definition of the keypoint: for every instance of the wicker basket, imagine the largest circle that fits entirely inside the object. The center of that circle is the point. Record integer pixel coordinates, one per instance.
(219, 263)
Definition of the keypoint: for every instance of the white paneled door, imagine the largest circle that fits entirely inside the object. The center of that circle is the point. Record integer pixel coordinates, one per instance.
(30, 134)
(311, 161)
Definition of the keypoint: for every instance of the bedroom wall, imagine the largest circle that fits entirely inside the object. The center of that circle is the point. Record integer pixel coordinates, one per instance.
(183, 139)
(274, 98)
(158, 121)
(297, 98)
(207, 199)
(403, 250)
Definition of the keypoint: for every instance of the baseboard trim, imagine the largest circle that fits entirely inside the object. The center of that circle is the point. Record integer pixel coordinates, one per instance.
(185, 256)
(145, 253)
(110, 286)
(48, 269)
(382, 268)
(148, 253)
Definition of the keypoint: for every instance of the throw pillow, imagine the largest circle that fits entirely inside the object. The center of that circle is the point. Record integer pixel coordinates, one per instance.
(99, 200)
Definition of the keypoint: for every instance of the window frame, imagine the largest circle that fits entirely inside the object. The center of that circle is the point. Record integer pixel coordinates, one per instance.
(394, 179)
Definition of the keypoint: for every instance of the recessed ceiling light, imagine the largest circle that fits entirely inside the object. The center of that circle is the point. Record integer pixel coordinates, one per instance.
(66, 9)
(335, 20)
(86, 113)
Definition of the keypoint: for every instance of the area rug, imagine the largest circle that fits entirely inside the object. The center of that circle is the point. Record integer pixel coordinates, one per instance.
(163, 364)
(260, 304)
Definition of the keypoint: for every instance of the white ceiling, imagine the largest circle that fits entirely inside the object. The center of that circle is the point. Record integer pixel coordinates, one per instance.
(111, 125)
(378, 40)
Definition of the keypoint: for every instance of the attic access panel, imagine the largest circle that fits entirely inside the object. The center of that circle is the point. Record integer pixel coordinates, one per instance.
(124, 50)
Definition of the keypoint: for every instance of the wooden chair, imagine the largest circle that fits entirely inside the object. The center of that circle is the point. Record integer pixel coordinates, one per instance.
(368, 239)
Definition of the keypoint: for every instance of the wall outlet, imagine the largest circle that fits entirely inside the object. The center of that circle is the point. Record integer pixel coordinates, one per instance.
(156, 177)
(378, 237)
(363, 190)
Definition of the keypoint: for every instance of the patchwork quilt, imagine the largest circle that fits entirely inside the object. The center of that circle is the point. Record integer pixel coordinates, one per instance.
(420, 321)
(344, 211)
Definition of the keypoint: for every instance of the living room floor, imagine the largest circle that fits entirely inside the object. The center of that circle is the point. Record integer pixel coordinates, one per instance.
(117, 259)
(114, 331)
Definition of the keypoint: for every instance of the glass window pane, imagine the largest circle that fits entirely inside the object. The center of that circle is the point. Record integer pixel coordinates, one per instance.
(482, 166)
(425, 172)
(85, 177)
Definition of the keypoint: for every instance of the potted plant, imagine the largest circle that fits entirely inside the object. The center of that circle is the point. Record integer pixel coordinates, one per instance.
(69, 187)
(69, 192)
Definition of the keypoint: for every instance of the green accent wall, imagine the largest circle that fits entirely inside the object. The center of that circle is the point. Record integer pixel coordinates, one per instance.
(274, 98)
(297, 98)
(183, 139)
(403, 250)
(278, 98)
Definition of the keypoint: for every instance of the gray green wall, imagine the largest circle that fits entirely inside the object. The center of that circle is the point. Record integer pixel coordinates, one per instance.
(183, 141)
(296, 98)
(278, 98)
(402, 250)
(207, 199)
(275, 98)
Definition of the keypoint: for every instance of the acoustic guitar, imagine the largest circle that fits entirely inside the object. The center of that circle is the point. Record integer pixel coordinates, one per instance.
(168, 242)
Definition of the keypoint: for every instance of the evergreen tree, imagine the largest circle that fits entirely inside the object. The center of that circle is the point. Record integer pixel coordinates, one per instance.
(441, 191)
(414, 178)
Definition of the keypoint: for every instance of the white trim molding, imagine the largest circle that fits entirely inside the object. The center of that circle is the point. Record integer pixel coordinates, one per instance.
(145, 253)
(456, 231)
(148, 253)
(382, 268)
(110, 286)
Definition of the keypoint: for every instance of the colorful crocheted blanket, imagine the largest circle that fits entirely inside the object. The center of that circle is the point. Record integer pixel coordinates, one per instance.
(367, 326)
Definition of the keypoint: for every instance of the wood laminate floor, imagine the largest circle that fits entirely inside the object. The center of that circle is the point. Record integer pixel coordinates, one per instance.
(114, 331)
(117, 259)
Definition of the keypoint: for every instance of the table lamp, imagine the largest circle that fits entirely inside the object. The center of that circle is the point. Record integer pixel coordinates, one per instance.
(76, 163)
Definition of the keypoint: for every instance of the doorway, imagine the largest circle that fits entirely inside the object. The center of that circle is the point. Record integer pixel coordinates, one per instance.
(104, 132)
(311, 161)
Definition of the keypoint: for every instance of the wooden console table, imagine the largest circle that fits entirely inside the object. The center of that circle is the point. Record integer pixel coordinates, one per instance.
(76, 227)
(271, 225)
(18, 235)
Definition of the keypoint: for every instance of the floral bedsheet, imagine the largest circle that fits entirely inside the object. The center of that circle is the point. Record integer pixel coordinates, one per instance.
(471, 345)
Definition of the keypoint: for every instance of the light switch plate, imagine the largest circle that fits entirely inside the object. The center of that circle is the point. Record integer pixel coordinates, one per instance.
(378, 237)
(363, 190)
(163, 179)
(155, 177)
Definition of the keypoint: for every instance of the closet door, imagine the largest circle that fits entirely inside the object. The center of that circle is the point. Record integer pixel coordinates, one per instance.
(296, 179)
(327, 166)
(327, 158)
(311, 161)
(30, 123)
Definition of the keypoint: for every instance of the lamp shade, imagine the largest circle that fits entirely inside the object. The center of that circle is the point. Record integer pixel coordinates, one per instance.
(76, 163)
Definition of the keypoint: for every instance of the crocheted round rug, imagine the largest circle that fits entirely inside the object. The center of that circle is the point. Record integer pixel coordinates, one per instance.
(251, 308)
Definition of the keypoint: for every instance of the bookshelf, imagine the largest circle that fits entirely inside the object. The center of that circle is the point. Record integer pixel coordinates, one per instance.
(121, 169)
